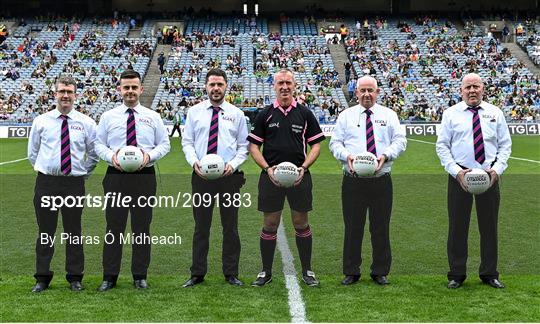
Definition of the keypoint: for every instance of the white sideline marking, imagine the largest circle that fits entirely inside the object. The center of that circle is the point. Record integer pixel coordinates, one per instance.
(14, 161)
(514, 158)
(296, 304)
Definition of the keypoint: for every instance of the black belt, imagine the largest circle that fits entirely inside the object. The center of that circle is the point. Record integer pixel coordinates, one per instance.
(355, 176)
(147, 170)
(41, 174)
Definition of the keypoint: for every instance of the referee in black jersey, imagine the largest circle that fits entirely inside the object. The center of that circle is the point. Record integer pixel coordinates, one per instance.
(284, 129)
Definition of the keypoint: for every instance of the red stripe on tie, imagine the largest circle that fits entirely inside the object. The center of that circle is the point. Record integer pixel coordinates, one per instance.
(212, 137)
(66, 149)
(212, 146)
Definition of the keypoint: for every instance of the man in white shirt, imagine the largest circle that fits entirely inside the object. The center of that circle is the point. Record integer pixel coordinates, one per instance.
(473, 134)
(61, 150)
(135, 125)
(215, 126)
(367, 127)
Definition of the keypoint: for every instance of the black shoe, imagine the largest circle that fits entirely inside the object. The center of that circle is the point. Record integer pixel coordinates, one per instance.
(454, 284)
(75, 286)
(262, 279)
(495, 283)
(380, 280)
(193, 281)
(309, 279)
(106, 285)
(349, 280)
(140, 284)
(39, 287)
(233, 280)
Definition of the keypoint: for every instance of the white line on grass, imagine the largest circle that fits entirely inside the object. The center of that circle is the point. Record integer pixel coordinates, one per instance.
(296, 304)
(514, 158)
(14, 161)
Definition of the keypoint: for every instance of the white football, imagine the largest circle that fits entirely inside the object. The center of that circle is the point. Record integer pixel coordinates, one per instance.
(286, 174)
(364, 164)
(130, 158)
(212, 166)
(477, 181)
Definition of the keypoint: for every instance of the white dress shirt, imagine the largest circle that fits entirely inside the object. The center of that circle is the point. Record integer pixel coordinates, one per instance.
(45, 142)
(350, 135)
(232, 133)
(152, 136)
(455, 144)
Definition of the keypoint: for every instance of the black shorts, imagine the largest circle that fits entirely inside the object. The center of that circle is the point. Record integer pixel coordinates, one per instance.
(272, 198)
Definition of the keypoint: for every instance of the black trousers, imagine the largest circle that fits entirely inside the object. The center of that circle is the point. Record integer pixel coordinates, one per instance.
(47, 219)
(134, 185)
(175, 128)
(459, 215)
(359, 195)
(225, 187)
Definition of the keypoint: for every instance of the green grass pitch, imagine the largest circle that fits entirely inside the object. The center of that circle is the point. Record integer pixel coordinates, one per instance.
(418, 234)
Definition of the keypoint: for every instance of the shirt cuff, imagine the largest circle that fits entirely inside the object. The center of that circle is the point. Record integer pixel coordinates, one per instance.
(454, 170)
(344, 155)
(152, 155)
(497, 167)
(109, 157)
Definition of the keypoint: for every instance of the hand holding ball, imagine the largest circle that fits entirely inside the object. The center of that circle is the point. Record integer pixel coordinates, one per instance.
(212, 166)
(286, 174)
(130, 158)
(365, 164)
(477, 181)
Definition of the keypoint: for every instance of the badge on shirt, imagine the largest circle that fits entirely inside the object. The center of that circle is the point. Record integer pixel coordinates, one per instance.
(76, 128)
(297, 128)
(380, 122)
(144, 120)
(228, 118)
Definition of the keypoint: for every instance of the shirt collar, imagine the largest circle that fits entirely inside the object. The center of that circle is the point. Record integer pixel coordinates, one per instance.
(363, 109)
(293, 104)
(464, 107)
(56, 113)
(288, 109)
(209, 105)
(135, 109)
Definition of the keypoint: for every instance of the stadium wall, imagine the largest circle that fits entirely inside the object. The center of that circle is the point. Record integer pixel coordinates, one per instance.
(410, 129)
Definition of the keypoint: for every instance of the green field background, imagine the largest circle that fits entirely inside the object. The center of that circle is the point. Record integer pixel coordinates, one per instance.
(418, 234)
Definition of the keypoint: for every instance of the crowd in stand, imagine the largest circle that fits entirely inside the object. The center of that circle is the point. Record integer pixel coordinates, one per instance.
(395, 63)
(505, 86)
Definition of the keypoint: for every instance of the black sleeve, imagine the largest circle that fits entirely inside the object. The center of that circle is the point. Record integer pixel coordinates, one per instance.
(258, 129)
(314, 134)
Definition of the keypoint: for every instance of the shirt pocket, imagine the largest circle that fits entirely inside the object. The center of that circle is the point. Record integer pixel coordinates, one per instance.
(228, 128)
(489, 129)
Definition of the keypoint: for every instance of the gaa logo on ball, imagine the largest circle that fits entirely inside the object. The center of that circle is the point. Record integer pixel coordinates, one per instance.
(364, 164)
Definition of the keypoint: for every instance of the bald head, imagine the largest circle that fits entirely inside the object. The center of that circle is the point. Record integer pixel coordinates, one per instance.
(367, 80)
(472, 89)
(367, 91)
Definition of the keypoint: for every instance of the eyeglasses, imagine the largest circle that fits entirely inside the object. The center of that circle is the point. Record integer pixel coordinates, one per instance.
(63, 92)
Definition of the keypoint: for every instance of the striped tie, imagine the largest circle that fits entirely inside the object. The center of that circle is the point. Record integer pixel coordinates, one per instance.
(370, 137)
(213, 132)
(479, 153)
(131, 134)
(65, 151)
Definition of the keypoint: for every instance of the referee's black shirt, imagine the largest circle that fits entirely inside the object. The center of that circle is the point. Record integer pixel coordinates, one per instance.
(285, 133)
